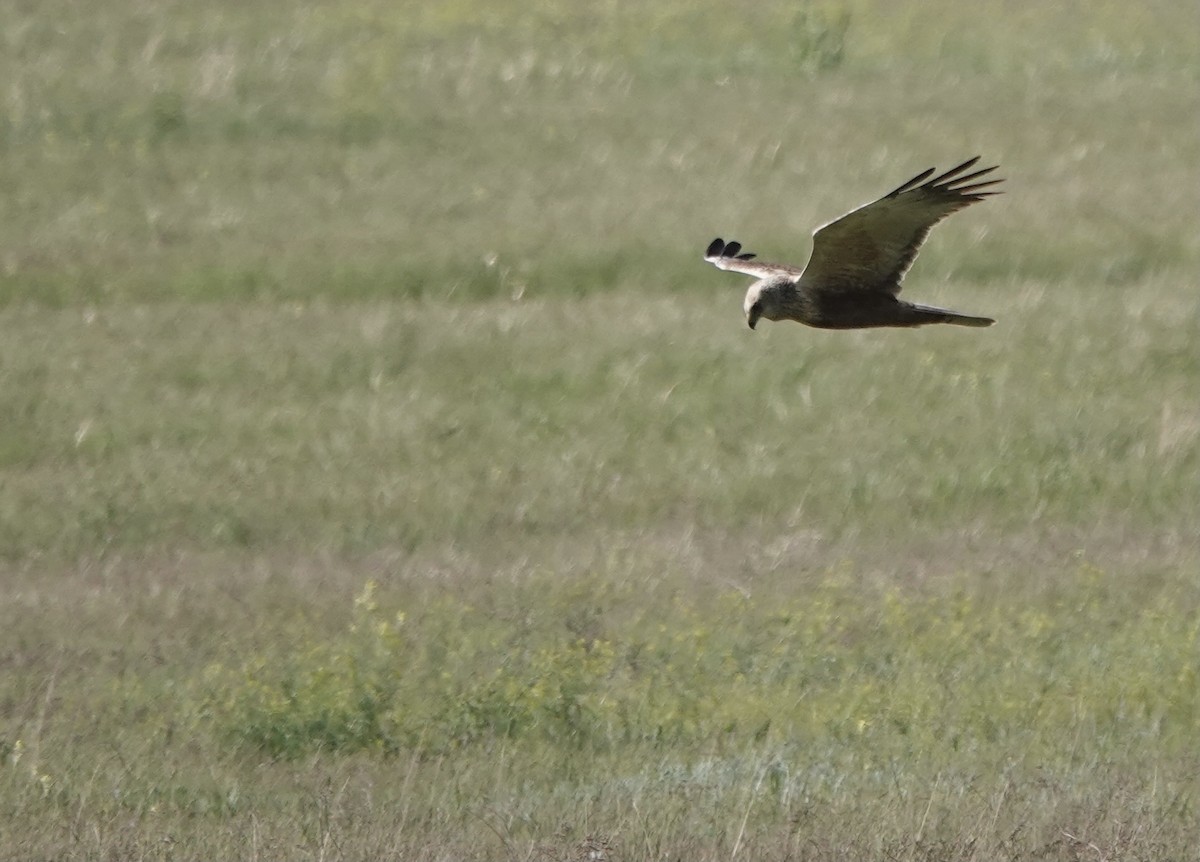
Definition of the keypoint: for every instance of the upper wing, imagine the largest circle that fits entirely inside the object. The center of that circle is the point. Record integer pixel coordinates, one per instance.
(729, 256)
(873, 246)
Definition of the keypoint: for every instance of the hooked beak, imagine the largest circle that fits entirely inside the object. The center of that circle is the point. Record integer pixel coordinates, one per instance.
(751, 320)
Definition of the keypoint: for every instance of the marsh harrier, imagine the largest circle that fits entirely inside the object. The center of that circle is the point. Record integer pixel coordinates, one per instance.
(857, 263)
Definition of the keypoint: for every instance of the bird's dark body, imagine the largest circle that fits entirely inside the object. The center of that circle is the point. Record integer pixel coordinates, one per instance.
(870, 310)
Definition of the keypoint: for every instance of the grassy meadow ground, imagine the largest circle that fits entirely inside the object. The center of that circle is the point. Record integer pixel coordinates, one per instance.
(383, 475)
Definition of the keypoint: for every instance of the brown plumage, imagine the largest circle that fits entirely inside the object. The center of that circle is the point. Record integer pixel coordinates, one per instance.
(853, 275)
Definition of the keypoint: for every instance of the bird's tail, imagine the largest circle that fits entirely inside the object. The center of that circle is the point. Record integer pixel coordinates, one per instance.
(931, 314)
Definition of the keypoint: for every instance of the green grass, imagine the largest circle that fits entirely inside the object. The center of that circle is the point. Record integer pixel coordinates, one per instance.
(850, 668)
(383, 475)
(410, 425)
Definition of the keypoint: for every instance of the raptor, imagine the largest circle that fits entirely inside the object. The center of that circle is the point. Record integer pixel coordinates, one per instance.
(853, 276)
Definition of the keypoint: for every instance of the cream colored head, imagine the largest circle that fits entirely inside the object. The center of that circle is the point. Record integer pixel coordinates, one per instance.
(768, 297)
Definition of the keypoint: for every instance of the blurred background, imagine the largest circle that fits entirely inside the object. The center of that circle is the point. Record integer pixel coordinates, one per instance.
(184, 150)
(384, 474)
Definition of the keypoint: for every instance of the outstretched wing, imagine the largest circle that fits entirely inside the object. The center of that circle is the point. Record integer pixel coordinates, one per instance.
(870, 248)
(729, 256)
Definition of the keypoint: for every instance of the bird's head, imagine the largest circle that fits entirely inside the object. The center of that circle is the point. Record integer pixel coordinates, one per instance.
(767, 298)
(753, 313)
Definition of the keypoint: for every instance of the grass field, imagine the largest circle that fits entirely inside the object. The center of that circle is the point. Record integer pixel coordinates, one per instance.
(383, 475)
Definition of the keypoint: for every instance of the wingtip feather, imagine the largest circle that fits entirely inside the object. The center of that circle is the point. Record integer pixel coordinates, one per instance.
(718, 249)
(915, 181)
(953, 183)
(954, 171)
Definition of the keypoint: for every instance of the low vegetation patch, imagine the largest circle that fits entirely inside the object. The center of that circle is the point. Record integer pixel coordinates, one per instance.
(874, 672)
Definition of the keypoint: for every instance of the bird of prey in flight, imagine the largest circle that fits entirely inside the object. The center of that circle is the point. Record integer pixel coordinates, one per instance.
(853, 275)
